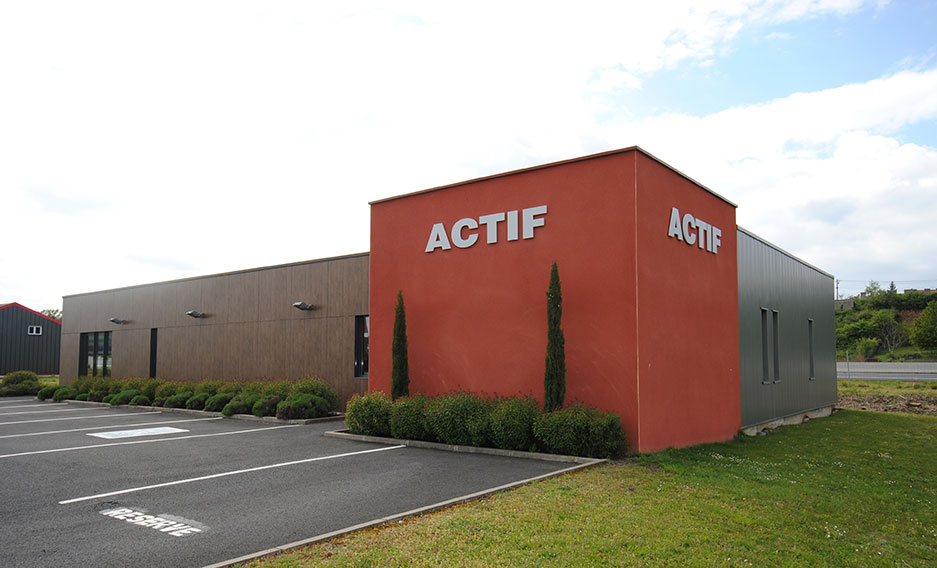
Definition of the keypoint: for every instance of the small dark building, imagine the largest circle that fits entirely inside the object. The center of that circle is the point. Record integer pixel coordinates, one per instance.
(29, 341)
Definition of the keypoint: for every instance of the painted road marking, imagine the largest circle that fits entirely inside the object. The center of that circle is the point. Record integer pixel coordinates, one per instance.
(163, 523)
(109, 426)
(225, 474)
(42, 411)
(35, 405)
(177, 438)
(116, 434)
(79, 417)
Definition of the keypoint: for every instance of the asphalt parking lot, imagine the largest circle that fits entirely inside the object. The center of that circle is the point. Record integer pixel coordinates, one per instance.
(118, 487)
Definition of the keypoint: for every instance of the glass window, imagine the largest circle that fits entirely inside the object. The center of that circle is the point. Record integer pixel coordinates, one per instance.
(94, 356)
(362, 333)
(810, 347)
(34, 330)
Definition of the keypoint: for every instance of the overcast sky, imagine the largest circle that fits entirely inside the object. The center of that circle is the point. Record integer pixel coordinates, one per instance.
(148, 141)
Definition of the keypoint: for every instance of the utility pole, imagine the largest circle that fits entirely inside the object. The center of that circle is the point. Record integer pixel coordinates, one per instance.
(837, 290)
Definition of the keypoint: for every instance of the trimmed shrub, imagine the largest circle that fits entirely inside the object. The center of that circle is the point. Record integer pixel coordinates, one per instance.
(581, 431)
(319, 388)
(47, 392)
(166, 389)
(460, 419)
(407, 419)
(369, 414)
(83, 384)
(139, 400)
(18, 377)
(101, 384)
(209, 387)
(217, 402)
(124, 397)
(266, 406)
(64, 393)
(149, 388)
(160, 400)
(115, 386)
(302, 406)
(82, 396)
(97, 396)
(197, 401)
(241, 404)
(178, 400)
(282, 389)
(107, 398)
(512, 423)
(230, 387)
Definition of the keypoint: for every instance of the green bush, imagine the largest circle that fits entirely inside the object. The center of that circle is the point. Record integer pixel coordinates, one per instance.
(115, 386)
(82, 396)
(124, 397)
(178, 400)
(369, 414)
(47, 392)
(408, 420)
(512, 423)
(166, 390)
(140, 400)
(867, 346)
(233, 388)
(209, 387)
(160, 400)
(281, 389)
(580, 431)
(197, 401)
(217, 402)
(302, 406)
(149, 388)
(266, 406)
(460, 419)
(18, 377)
(97, 396)
(66, 393)
(83, 384)
(241, 404)
(107, 398)
(319, 388)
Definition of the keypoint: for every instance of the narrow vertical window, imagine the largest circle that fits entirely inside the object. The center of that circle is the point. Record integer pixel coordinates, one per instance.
(153, 353)
(765, 379)
(362, 334)
(777, 356)
(810, 347)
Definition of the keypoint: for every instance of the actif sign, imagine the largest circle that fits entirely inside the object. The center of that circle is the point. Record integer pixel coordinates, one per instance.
(464, 232)
(693, 230)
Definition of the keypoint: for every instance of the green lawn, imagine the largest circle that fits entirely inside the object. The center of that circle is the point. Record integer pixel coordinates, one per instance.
(49, 380)
(856, 489)
(887, 387)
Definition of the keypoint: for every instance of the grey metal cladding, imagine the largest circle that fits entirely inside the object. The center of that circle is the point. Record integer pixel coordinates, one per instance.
(22, 352)
(800, 296)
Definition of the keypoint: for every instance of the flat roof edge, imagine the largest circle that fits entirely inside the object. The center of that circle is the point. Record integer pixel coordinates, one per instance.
(782, 251)
(231, 273)
(607, 153)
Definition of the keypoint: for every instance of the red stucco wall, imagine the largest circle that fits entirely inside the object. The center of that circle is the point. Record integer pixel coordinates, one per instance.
(476, 316)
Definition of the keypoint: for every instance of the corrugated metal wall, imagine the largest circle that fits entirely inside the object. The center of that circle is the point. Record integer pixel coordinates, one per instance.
(782, 303)
(22, 352)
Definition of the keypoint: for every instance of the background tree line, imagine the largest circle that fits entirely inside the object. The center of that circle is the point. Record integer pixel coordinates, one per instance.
(888, 325)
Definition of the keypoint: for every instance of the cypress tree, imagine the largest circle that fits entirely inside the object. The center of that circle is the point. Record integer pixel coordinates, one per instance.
(400, 372)
(554, 378)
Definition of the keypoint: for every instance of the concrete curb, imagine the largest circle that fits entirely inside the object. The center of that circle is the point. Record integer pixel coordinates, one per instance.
(463, 449)
(247, 417)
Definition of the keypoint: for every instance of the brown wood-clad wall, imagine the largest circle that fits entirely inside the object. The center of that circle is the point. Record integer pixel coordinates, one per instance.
(250, 331)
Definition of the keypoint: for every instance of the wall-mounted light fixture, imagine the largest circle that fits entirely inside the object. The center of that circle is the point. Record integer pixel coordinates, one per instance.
(304, 306)
(195, 314)
(117, 321)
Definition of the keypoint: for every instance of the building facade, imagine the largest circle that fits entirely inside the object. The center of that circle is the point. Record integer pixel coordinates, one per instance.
(29, 340)
(246, 326)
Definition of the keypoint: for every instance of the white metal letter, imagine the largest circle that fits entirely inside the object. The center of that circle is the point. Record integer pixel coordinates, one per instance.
(674, 230)
(688, 223)
(704, 234)
(467, 223)
(438, 239)
(717, 232)
(531, 221)
(512, 225)
(491, 223)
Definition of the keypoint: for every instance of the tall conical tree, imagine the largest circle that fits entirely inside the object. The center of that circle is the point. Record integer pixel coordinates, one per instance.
(554, 378)
(400, 371)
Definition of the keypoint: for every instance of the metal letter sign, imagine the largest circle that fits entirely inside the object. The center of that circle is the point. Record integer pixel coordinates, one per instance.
(464, 231)
(693, 230)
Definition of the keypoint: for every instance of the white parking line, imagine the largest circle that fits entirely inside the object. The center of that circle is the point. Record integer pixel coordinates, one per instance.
(35, 405)
(74, 448)
(108, 426)
(225, 474)
(43, 411)
(79, 417)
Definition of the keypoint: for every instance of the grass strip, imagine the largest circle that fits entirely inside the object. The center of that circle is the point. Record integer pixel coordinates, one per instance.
(856, 386)
(855, 489)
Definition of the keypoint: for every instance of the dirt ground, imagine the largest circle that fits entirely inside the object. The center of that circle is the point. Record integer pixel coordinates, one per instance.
(910, 403)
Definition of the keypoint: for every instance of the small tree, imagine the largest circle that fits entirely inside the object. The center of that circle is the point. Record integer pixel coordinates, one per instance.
(400, 372)
(53, 313)
(924, 335)
(554, 378)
